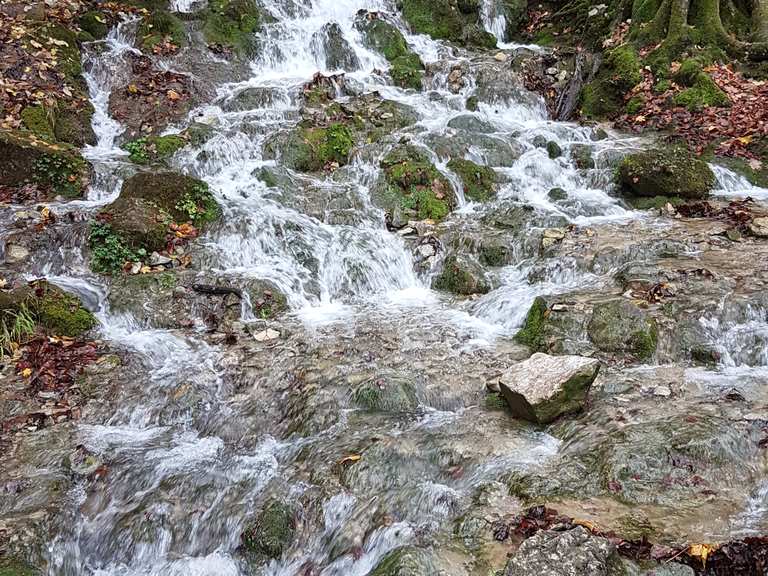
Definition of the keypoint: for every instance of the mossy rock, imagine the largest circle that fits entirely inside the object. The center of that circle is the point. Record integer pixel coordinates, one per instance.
(554, 150)
(702, 94)
(413, 187)
(582, 157)
(94, 24)
(72, 124)
(159, 25)
(380, 35)
(271, 532)
(26, 159)
(310, 149)
(620, 72)
(405, 561)
(479, 181)
(666, 172)
(620, 326)
(557, 194)
(53, 310)
(139, 226)
(461, 275)
(440, 19)
(15, 567)
(233, 24)
(153, 149)
(184, 198)
(36, 119)
(407, 71)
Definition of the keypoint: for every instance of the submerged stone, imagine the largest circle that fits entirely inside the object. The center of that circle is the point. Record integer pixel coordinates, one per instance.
(387, 393)
(271, 532)
(405, 561)
(461, 275)
(620, 326)
(545, 387)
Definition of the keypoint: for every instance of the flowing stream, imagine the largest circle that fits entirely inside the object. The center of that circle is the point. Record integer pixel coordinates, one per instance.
(184, 476)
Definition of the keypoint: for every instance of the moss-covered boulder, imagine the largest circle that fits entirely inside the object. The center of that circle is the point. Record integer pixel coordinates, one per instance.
(701, 91)
(233, 24)
(40, 305)
(461, 275)
(154, 149)
(94, 24)
(532, 332)
(313, 148)
(138, 222)
(620, 72)
(479, 182)
(620, 326)
(413, 188)
(271, 532)
(57, 169)
(448, 20)
(406, 69)
(666, 172)
(339, 54)
(405, 561)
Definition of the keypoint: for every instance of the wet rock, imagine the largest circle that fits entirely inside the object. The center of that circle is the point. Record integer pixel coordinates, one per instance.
(412, 188)
(444, 20)
(494, 151)
(329, 42)
(582, 156)
(56, 169)
(479, 182)
(554, 150)
(551, 236)
(10, 566)
(666, 172)
(471, 124)
(271, 532)
(232, 25)
(405, 561)
(557, 194)
(620, 326)
(568, 553)
(387, 392)
(545, 387)
(15, 253)
(461, 275)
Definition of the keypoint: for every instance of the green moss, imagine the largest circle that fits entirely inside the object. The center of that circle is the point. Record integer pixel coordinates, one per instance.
(688, 72)
(94, 24)
(199, 205)
(153, 148)
(72, 124)
(404, 561)
(63, 315)
(460, 277)
(544, 38)
(532, 332)
(703, 93)
(407, 71)
(159, 25)
(109, 252)
(15, 567)
(36, 120)
(662, 86)
(644, 10)
(672, 171)
(604, 96)
(271, 532)
(63, 172)
(439, 19)
(233, 23)
(635, 104)
(494, 255)
(495, 401)
(643, 342)
(472, 104)
(479, 181)
(382, 36)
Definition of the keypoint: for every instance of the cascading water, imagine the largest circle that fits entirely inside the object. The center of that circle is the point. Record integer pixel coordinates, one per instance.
(187, 460)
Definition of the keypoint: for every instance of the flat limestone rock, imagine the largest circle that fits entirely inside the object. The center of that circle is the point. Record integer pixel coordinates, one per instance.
(544, 387)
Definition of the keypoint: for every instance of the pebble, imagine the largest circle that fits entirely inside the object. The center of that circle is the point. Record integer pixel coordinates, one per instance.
(266, 335)
(500, 57)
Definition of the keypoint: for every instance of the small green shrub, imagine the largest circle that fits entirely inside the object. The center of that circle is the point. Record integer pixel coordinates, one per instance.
(108, 251)
(15, 328)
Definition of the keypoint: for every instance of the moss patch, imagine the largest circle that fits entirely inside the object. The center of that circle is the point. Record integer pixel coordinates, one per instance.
(233, 23)
(36, 120)
(532, 332)
(158, 26)
(15, 567)
(604, 96)
(702, 93)
(153, 148)
(63, 315)
(407, 71)
(479, 181)
(271, 532)
(461, 276)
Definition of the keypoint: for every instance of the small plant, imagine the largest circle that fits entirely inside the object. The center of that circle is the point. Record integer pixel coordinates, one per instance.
(108, 251)
(137, 150)
(15, 327)
(61, 173)
(199, 205)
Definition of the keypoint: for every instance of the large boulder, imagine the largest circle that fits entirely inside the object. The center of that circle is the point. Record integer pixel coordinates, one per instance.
(569, 553)
(544, 387)
(666, 172)
(457, 21)
(380, 35)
